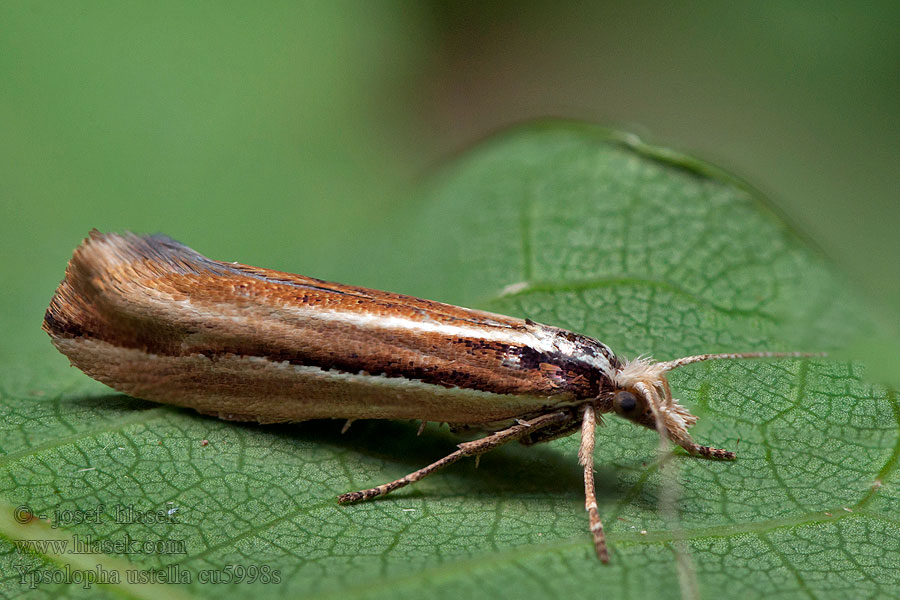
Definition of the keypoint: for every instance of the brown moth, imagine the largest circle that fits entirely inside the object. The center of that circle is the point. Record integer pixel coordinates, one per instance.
(154, 319)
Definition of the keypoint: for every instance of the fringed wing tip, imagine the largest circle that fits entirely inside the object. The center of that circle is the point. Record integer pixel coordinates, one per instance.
(106, 263)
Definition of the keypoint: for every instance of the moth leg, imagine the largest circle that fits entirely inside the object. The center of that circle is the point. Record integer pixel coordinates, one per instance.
(708, 452)
(473, 448)
(586, 458)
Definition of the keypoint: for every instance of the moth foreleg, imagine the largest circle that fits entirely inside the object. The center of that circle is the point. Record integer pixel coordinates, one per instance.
(586, 458)
(708, 452)
(473, 448)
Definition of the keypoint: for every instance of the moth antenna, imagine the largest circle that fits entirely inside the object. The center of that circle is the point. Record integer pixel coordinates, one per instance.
(687, 360)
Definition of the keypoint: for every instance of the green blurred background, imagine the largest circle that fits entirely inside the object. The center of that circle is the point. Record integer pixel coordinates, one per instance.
(287, 134)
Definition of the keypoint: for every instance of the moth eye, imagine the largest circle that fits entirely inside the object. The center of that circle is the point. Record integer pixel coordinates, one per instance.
(625, 403)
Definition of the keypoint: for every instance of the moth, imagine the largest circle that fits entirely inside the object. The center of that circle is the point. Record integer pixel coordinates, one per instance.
(156, 320)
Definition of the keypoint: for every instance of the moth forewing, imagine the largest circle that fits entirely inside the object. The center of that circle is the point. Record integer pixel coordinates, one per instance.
(154, 319)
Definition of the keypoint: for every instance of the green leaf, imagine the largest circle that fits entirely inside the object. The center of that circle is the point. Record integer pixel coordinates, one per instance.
(570, 225)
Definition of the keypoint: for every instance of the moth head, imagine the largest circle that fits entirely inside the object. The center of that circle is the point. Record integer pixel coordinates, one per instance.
(641, 394)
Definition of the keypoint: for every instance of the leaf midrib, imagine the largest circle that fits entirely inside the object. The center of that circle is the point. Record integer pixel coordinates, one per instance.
(576, 285)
